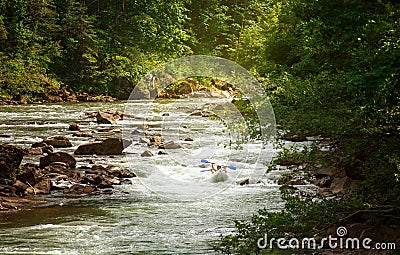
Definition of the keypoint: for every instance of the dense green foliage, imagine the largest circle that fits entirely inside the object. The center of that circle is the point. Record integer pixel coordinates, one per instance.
(106, 46)
(297, 219)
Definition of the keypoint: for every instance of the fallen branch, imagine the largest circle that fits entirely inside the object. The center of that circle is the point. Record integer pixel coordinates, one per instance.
(34, 191)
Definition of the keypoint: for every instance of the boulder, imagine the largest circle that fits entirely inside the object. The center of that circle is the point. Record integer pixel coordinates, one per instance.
(45, 147)
(58, 142)
(170, 145)
(156, 139)
(97, 170)
(339, 185)
(146, 153)
(73, 127)
(110, 146)
(35, 151)
(196, 113)
(57, 168)
(57, 157)
(79, 189)
(125, 182)
(104, 182)
(42, 187)
(119, 172)
(108, 116)
(244, 182)
(10, 159)
(20, 185)
(28, 174)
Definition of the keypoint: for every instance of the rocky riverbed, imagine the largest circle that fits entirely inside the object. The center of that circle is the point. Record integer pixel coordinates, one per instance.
(56, 171)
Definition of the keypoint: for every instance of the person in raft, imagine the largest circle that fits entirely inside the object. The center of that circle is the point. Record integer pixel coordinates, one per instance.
(219, 168)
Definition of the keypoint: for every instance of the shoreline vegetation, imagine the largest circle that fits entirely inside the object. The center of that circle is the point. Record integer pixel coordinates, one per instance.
(330, 69)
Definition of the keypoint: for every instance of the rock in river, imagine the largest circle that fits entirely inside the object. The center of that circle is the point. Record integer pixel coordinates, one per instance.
(108, 116)
(28, 174)
(58, 142)
(110, 146)
(74, 127)
(43, 146)
(79, 189)
(83, 134)
(58, 157)
(147, 153)
(170, 145)
(10, 159)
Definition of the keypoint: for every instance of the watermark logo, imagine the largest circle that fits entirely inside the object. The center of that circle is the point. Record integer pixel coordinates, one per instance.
(330, 242)
(224, 138)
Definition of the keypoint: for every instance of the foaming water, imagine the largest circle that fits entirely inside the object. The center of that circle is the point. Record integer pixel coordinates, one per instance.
(137, 218)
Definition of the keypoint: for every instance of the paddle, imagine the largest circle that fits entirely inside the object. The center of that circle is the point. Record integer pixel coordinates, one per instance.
(231, 166)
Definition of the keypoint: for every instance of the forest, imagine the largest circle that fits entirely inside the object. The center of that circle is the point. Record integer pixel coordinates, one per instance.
(330, 68)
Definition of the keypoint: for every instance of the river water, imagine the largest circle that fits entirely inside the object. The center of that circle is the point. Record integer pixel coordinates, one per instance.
(171, 207)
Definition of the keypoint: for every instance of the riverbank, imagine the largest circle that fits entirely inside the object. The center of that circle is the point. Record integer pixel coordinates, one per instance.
(21, 184)
(357, 193)
(56, 96)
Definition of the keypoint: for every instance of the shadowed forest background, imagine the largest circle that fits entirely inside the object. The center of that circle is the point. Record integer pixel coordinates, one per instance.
(330, 67)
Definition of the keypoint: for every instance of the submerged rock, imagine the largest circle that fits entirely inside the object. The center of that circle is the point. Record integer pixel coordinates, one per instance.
(73, 127)
(110, 146)
(58, 142)
(83, 134)
(79, 189)
(146, 153)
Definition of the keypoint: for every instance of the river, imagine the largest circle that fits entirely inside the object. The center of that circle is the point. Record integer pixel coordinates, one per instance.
(153, 215)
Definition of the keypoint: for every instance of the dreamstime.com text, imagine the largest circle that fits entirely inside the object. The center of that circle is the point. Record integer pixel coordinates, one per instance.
(340, 242)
